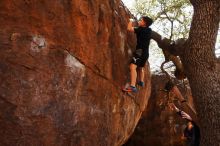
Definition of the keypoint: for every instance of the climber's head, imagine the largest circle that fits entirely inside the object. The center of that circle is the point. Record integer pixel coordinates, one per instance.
(189, 125)
(145, 21)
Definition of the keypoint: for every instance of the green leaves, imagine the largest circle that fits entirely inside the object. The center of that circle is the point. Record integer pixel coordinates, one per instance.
(172, 17)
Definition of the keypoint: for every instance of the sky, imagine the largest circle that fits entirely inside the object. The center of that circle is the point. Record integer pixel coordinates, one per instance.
(128, 3)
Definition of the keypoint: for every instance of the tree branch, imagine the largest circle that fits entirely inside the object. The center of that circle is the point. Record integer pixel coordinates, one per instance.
(171, 50)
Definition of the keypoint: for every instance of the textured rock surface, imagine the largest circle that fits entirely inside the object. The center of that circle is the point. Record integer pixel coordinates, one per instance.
(62, 64)
(159, 125)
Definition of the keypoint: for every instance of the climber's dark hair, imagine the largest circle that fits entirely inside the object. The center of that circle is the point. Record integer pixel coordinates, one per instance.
(169, 85)
(148, 21)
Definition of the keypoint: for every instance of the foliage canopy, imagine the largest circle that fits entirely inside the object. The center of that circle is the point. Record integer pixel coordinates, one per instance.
(172, 17)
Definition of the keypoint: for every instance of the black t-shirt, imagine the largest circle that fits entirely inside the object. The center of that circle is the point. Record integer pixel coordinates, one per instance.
(143, 35)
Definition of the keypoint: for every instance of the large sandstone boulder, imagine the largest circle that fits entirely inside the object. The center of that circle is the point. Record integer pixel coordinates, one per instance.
(62, 65)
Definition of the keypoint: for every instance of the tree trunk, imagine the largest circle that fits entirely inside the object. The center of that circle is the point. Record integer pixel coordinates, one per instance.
(203, 70)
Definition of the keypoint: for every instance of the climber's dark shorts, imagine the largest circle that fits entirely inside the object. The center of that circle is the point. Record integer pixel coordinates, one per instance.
(139, 61)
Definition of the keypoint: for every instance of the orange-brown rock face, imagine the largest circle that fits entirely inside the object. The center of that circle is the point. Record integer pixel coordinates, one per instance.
(62, 64)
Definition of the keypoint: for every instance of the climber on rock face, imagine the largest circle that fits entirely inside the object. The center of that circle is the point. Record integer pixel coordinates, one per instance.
(141, 54)
(191, 134)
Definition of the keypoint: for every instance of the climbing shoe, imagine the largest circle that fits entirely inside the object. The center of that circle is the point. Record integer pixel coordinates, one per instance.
(141, 84)
(130, 89)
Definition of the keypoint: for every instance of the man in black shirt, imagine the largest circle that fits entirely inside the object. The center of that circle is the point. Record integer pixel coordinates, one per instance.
(141, 54)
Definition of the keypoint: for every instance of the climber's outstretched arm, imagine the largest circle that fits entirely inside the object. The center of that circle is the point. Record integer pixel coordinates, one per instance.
(184, 104)
(183, 114)
(177, 92)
